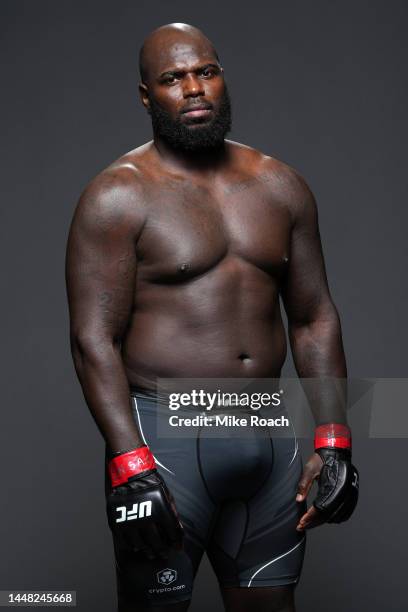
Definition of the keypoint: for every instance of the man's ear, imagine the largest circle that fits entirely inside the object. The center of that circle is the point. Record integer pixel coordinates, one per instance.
(144, 95)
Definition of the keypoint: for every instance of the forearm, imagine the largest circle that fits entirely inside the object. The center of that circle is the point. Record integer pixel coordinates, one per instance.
(319, 359)
(100, 370)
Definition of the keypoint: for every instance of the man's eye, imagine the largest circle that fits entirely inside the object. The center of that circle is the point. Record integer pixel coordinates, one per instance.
(208, 72)
(169, 80)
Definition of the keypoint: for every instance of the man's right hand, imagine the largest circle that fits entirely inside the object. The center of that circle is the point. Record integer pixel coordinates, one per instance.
(140, 508)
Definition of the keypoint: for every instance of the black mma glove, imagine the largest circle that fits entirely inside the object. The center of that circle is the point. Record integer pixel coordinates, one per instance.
(141, 511)
(338, 481)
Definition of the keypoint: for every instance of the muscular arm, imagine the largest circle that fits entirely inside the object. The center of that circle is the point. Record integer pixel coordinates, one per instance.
(313, 321)
(315, 338)
(100, 274)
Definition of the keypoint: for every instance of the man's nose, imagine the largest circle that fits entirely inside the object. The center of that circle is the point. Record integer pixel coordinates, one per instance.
(192, 86)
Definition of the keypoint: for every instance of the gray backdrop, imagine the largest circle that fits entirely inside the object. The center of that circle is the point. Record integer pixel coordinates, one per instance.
(321, 85)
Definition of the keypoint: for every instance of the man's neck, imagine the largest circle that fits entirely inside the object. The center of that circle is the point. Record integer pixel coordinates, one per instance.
(203, 162)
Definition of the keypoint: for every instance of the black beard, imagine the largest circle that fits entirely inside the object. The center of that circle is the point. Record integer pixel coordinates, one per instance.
(201, 137)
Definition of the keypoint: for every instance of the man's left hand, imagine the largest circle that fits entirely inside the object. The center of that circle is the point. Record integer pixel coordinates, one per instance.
(311, 471)
(338, 483)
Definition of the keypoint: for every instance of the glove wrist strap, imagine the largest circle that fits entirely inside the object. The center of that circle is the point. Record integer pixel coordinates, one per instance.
(332, 435)
(129, 464)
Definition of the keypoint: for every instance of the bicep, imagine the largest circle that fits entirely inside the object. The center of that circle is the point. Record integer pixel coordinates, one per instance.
(100, 267)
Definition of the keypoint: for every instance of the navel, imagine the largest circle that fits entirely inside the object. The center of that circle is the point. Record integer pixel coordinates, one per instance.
(244, 357)
(184, 267)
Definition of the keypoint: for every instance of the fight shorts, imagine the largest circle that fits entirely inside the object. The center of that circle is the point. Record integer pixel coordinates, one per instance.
(235, 494)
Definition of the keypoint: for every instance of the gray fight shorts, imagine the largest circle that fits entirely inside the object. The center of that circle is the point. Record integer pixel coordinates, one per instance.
(235, 495)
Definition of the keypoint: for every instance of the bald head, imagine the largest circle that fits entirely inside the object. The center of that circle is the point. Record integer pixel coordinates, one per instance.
(170, 43)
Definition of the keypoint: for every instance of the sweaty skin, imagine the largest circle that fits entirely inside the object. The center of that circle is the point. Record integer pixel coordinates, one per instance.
(176, 262)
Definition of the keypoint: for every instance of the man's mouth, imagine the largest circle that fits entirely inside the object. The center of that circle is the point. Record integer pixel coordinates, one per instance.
(197, 110)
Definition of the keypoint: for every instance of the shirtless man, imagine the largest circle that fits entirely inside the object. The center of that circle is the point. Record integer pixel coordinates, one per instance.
(177, 255)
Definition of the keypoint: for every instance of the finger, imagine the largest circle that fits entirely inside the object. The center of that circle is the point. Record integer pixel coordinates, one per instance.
(170, 542)
(177, 517)
(171, 528)
(304, 484)
(131, 541)
(154, 545)
(145, 552)
(303, 521)
(173, 537)
(307, 519)
(311, 518)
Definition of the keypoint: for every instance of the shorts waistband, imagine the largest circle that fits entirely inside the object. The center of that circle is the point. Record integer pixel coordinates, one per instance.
(152, 395)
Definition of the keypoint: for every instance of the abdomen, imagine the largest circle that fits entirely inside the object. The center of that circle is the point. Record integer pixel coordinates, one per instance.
(225, 323)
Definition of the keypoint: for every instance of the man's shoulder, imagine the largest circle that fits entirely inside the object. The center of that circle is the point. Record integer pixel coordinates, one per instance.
(117, 192)
(125, 172)
(283, 181)
(260, 163)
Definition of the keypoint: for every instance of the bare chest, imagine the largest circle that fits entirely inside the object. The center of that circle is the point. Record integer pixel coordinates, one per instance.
(189, 231)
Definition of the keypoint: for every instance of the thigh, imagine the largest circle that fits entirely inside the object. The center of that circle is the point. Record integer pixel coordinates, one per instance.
(255, 542)
(261, 599)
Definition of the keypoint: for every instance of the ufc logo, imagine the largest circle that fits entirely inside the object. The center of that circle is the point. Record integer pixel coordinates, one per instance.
(138, 511)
